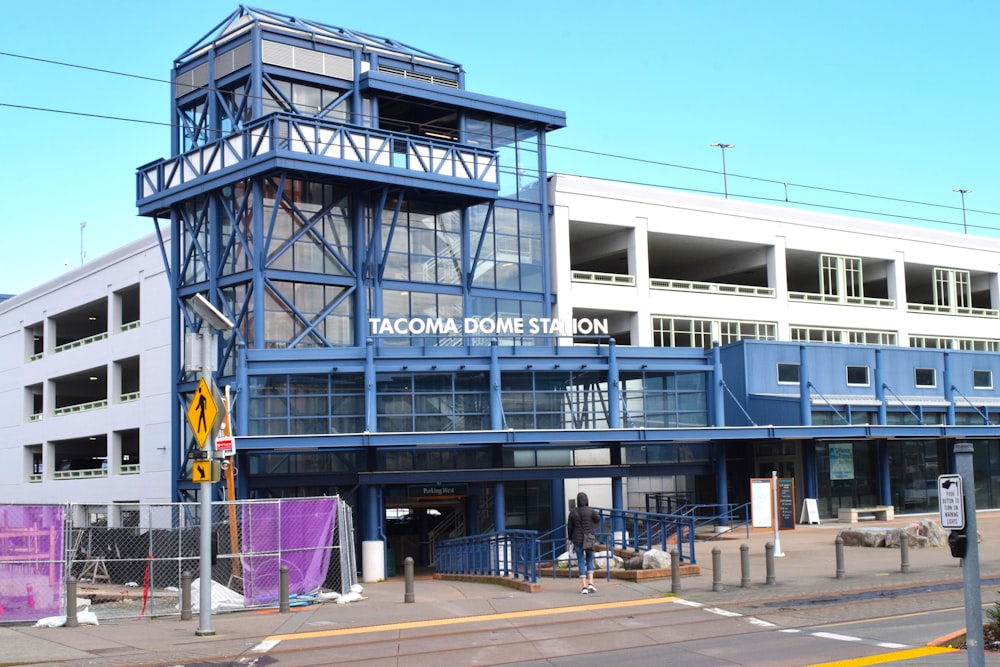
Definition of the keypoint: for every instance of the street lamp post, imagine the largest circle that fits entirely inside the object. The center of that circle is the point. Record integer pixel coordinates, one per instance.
(212, 320)
(965, 229)
(725, 185)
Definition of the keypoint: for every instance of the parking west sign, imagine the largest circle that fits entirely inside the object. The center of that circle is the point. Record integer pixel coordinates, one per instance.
(951, 501)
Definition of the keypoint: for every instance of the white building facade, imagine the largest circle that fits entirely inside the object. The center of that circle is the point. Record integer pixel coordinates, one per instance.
(675, 269)
(86, 401)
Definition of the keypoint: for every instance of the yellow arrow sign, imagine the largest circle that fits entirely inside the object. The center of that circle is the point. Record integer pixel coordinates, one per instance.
(201, 471)
(203, 413)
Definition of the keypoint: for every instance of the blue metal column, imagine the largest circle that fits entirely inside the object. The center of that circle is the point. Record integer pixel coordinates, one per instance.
(810, 477)
(615, 421)
(717, 396)
(472, 511)
(949, 392)
(880, 388)
(559, 510)
(614, 388)
(177, 458)
(885, 493)
(361, 311)
(805, 405)
(370, 522)
(499, 508)
(497, 424)
(242, 425)
(721, 478)
(496, 405)
(371, 416)
(618, 503)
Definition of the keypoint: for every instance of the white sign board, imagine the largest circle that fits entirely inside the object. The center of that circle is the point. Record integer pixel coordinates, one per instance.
(810, 511)
(761, 503)
(952, 501)
(225, 444)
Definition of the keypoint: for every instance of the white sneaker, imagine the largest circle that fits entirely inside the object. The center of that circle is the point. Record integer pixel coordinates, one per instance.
(585, 591)
(591, 588)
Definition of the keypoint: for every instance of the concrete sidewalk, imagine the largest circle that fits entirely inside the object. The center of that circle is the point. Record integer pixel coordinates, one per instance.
(806, 572)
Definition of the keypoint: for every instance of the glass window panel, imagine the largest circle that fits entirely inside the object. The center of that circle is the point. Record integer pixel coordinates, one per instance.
(925, 377)
(788, 373)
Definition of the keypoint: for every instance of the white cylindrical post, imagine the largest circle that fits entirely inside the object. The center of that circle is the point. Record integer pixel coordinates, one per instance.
(372, 560)
(778, 553)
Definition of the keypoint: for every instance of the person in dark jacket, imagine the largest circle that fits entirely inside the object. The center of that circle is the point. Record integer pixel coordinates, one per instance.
(583, 521)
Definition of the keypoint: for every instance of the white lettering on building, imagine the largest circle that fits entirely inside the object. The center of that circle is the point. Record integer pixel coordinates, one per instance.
(501, 326)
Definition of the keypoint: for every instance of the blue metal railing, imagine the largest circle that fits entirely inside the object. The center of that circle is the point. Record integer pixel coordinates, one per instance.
(520, 553)
(721, 518)
(327, 140)
(512, 553)
(642, 531)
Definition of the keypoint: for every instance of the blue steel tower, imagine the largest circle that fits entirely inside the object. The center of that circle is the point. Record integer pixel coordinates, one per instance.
(320, 177)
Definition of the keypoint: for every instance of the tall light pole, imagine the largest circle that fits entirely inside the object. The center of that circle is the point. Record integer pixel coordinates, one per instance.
(83, 226)
(965, 229)
(725, 185)
(212, 321)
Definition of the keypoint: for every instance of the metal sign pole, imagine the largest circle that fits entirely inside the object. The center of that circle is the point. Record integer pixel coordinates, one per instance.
(970, 564)
(205, 506)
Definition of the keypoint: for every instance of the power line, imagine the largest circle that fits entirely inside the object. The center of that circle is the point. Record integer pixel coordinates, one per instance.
(86, 115)
(595, 153)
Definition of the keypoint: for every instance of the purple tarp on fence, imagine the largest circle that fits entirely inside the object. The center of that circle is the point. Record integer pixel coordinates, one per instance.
(31, 561)
(296, 532)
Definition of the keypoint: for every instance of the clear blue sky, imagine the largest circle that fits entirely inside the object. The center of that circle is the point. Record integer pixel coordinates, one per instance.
(892, 98)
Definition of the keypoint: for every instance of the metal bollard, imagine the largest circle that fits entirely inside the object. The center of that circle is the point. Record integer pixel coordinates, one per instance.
(839, 542)
(185, 596)
(408, 578)
(675, 572)
(716, 569)
(71, 620)
(283, 605)
(769, 560)
(744, 566)
(904, 553)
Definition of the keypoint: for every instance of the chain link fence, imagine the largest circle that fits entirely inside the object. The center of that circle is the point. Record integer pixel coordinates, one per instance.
(130, 559)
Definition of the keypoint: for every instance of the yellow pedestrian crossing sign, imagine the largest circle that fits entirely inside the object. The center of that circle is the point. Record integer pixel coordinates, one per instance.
(203, 413)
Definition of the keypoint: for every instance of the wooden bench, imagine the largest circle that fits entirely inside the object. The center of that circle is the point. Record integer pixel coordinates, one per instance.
(853, 514)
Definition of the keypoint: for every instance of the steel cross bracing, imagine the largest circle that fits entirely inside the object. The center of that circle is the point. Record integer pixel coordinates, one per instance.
(245, 17)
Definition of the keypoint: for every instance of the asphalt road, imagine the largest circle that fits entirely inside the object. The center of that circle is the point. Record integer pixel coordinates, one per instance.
(663, 631)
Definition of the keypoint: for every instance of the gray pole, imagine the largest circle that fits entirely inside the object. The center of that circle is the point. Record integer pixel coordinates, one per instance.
(205, 507)
(838, 545)
(283, 603)
(675, 572)
(185, 596)
(744, 566)
(408, 579)
(71, 617)
(970, 565)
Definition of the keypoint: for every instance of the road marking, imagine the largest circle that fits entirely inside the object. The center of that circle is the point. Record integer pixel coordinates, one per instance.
(886, 657)
(889, 618)
(688, 603)
(409, 625)
(833, 635)
(721, 612)
(763, 624)
(264, 646)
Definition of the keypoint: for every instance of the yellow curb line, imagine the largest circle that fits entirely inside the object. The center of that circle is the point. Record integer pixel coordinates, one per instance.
(409, 625)
(887, 657)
